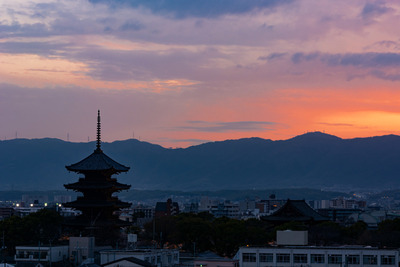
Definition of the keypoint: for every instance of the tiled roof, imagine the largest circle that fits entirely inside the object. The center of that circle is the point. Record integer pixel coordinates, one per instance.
(295, 210)
(131, 259)
(97, 161)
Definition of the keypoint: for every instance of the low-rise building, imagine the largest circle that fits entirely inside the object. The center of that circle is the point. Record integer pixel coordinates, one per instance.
(43, 255)
(158, 257)
(81, 249)
(225, 209)
(168, 208)
(6, 212)
(317, 256)
(128, 262)
(269, 205)
(219, 262)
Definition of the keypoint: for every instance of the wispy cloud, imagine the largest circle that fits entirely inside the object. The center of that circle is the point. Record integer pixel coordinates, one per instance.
(36, 48)
(363, 60)
(272, 56)
(336, 124)
(378, 65)
(204, 126)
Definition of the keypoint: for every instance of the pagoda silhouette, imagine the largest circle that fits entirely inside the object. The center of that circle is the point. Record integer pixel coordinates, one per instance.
(97, 203)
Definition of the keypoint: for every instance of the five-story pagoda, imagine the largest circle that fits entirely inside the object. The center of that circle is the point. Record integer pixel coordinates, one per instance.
(97, 202)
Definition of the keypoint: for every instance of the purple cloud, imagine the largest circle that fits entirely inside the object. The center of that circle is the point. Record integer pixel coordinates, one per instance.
(364, 60)
(202, 9)
(38, 48)
(372, 10)
(272, 56)
(375, 62)
(132, 25)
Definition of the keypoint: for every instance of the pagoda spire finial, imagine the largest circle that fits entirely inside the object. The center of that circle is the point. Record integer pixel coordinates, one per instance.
(98, 132)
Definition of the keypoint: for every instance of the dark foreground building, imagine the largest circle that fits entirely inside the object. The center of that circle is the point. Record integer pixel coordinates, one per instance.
(97, 202)
(295, 211)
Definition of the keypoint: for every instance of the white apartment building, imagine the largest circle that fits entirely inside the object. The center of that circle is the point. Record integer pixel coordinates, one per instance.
(311, 256)
(159, 257)
(225, 209)
(26, 255)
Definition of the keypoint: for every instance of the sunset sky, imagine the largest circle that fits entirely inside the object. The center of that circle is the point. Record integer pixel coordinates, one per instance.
(184, 72)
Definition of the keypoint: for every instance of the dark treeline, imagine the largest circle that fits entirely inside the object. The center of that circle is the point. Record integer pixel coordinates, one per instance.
(196, 233)
(224, 236)
(44, 226)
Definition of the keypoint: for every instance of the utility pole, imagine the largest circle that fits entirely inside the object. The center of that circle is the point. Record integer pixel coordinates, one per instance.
(154, 231)
(50, 252)
(4, 249)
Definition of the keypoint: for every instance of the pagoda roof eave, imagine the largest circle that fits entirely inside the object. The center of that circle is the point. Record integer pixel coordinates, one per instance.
(96, 185)
(97, 161)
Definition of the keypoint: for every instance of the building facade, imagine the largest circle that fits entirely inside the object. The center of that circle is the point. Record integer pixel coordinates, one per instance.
(317, 256)
(158, 257)
(43, 255)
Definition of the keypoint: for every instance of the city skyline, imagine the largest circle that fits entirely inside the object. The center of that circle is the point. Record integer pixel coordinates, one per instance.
(179, 73)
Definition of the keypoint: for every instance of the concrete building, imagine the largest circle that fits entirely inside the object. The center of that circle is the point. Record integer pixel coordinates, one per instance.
(338, 203)
(34, 199)
(43, 255)
(6, 212)
(269, 205)
(158, 257)
(220, 262)
(81, 248)
(225, 209)
(206, 203)
(62, 198)
(295, 238)
(339, 215)
(146, 211)
(247, 204)
(317, 256)
(168, 208)
(128, 262)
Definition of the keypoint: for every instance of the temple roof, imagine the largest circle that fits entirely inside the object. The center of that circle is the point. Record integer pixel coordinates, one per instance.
(97, 161)
(295, 210)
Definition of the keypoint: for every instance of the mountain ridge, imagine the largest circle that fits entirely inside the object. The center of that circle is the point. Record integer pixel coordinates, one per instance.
(314, 160)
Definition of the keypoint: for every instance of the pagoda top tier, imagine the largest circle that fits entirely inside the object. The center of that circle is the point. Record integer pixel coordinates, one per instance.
(97, 161)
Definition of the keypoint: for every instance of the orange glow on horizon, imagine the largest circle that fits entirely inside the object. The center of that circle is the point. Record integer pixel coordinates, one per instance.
(345, 114)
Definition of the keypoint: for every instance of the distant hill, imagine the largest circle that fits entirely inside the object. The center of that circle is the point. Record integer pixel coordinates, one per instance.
(312, 160)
